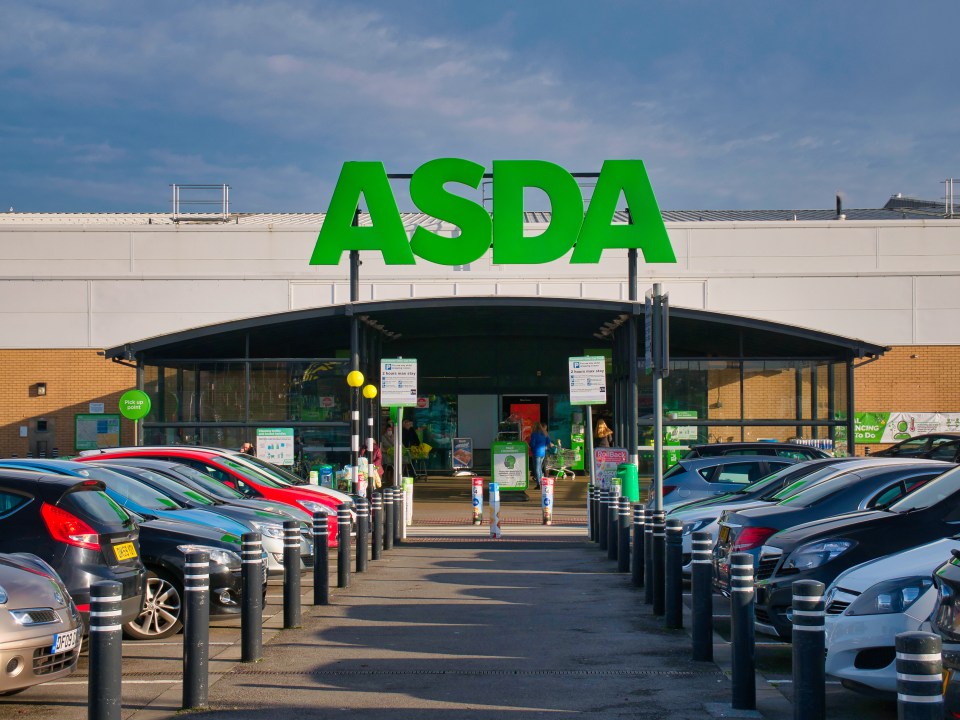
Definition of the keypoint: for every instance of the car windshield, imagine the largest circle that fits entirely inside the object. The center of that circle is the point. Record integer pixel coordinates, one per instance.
(208, 484)
(97, 505)
(277, 473)
(940, 488)
(133, 490)
(171, 488)
(247, 472)
(817, 476)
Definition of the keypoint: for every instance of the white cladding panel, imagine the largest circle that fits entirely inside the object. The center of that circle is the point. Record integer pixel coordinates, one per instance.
(96, 285)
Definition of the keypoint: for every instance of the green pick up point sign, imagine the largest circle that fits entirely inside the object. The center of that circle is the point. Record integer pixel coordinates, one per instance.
(134, 404)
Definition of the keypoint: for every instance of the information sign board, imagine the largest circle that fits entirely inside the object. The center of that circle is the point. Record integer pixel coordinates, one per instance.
(398, 382)
(605, 465)
(275, 445)
(509, 465)
(588, 380)
(95, 431)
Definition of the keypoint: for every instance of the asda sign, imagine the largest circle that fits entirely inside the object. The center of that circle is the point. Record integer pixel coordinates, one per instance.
(587, 231)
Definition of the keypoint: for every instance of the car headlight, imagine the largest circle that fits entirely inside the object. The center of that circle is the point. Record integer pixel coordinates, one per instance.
(695, 525)
(314, 507)
(890, 596)
(815, 554)
(218, 556)
(270, 530)
(3, 596)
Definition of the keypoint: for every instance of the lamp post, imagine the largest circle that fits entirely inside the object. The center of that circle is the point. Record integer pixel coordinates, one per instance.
(354, 380)
(370, 392)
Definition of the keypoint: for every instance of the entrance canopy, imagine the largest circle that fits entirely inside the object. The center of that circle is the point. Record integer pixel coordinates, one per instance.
(731, 378)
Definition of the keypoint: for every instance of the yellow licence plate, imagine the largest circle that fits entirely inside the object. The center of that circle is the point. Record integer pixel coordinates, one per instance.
(125, 551)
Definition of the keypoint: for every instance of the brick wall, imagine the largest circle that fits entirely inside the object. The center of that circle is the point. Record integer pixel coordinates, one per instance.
(74, 379)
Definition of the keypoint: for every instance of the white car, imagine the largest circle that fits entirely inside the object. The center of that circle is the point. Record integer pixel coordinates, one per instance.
(869, 604)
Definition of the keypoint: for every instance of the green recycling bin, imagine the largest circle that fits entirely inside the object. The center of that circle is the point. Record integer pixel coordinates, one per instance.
(629, 483)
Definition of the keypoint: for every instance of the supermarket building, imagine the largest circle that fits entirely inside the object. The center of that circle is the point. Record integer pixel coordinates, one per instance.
(782, 321)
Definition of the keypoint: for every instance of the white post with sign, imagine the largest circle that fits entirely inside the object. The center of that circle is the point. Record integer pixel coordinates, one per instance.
(398, 388)
(588, 386)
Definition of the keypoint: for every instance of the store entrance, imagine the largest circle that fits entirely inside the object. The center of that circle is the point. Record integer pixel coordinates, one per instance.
(526, 411)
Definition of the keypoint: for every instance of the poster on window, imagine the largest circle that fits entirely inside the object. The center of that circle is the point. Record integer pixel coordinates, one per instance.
(275, 445)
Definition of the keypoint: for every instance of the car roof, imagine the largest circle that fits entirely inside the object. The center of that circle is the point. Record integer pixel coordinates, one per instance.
(726, 459)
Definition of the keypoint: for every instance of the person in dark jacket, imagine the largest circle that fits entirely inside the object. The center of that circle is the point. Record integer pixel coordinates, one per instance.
(539, 442)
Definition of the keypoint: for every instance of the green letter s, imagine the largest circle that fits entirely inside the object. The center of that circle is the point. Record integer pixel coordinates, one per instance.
(429, 195)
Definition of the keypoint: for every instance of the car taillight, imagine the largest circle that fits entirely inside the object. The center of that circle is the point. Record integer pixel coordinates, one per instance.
(752, 537)
(667, 489)
(67, 528)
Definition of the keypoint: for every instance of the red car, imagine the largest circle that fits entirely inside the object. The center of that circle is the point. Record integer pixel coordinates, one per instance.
(240, 477)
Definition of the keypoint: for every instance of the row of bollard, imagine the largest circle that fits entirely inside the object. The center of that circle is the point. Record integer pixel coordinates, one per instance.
(654, 560)
(381, 520)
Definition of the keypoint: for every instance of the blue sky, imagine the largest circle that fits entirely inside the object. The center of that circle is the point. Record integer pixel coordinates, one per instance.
(755, 104)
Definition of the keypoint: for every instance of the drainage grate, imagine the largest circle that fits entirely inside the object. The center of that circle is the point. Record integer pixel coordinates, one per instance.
(480, 673)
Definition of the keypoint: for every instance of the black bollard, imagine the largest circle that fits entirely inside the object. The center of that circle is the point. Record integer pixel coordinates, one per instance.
(809, 643)
(673, 578)
(742, 632)
(388, 518)
(363, 534)
(105, 649)
(589, 511)
(648, 559)
(613, 539)
(919, 676)
(623, 535)
(321, 560)
(399, 515)
(196, 630)
(701, 591)
(636, 560)
(376, 520)
(251, 599)
(343, 545)
(291, 574)
(602, 518)
(659, 556)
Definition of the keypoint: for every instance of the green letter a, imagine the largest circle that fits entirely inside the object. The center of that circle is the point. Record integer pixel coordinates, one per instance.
(385, 233)
(647, 231)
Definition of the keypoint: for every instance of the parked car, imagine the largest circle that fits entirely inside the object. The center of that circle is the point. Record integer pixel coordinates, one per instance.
(238, 476)
(745, 531)
(699, 478)
(268, 524)
(40, 626)
(78, 530)
(166, 532)
(703, 515)
(822, 549)
(780, 449)
(935, 446)
(946, 622)
(868, 605)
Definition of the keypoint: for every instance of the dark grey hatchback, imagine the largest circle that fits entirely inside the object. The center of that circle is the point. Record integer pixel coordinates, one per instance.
(83, 534)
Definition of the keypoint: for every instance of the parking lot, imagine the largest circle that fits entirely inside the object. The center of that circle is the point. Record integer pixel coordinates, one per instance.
(454, 624)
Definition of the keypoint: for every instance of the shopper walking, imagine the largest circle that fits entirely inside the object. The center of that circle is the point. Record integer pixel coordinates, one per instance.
(539, 442)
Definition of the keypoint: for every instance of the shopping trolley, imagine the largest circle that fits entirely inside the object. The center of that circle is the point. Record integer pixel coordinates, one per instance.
(558, 462)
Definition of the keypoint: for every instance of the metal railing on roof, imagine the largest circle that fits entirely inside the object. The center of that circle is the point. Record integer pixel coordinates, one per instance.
(217, 207)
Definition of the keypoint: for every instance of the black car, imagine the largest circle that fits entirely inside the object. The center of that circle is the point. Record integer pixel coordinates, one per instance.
(164, 544)
(783, 449)
(934, 446)
(78, 530)
(859, 488)
(822, 549)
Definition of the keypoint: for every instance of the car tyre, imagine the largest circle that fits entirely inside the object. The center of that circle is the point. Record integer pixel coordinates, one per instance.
(162, 612)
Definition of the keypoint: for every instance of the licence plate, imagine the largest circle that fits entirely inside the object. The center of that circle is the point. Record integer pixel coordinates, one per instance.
(63, 642)
(125, 551)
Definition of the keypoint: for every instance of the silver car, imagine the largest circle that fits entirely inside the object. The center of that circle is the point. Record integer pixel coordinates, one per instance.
(698, 478)
(40, 627)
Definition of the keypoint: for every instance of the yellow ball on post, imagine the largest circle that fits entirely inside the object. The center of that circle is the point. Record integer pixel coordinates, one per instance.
(355, 378)
(370, 392)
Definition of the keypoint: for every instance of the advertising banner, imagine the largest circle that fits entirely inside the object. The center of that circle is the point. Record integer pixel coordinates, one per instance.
(606, 461)
(275, 445)
(509, 465)
(461, 453)
(892, 427)
(96, 431)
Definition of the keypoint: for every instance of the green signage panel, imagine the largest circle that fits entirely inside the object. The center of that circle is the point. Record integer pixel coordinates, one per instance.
(509, 465)
(92, 432)
(134, 404)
